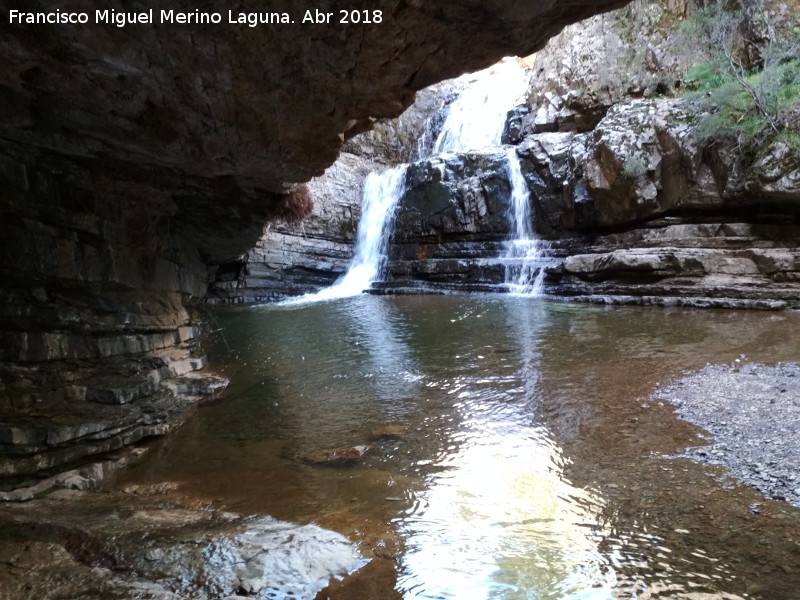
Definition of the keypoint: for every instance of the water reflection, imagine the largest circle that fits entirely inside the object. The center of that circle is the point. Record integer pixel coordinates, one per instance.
(533, 463)
(501, 522)
(391, 366)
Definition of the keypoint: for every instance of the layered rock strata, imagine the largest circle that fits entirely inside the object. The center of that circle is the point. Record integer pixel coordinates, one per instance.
(451, 224)
(98, 347)
(291, 259)
(295, 258)
(635, 211)
(643, 213)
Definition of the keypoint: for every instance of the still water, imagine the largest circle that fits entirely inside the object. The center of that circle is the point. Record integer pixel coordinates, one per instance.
(518, 447)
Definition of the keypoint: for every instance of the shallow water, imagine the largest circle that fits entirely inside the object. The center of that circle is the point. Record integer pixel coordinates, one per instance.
(535, 462)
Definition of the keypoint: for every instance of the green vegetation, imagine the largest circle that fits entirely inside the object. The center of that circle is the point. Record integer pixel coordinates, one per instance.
(749, 86)
(634, 167)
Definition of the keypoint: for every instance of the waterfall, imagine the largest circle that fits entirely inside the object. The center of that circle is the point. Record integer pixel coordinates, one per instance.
(475, 120)
(477, 117)
(524, 272)
(381, 193)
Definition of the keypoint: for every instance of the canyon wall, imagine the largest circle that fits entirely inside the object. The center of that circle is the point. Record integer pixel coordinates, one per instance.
(292, 258)
(634, 211)
(631, 202)
(642, 213)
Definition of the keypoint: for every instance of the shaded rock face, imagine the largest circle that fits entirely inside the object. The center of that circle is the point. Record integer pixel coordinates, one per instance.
(242, 101)
(453, 214)
(291, 259)
(98, 348)
(642, 213)
(134, 159)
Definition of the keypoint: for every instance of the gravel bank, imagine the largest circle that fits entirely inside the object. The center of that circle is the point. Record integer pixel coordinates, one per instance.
(753, 412)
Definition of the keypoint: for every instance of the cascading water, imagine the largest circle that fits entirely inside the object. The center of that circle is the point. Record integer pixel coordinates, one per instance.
(524, 272)
(475, 120)
(477, 117)
(381, 193)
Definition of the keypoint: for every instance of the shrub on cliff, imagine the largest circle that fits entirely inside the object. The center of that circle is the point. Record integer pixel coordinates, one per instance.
(296, 205)
(750, 84)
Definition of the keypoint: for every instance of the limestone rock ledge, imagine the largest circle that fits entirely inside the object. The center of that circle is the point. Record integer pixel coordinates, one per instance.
(634, 211)
(640, 212)
(291, 259)
(96, 548)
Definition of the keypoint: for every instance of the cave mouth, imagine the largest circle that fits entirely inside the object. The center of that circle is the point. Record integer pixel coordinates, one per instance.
(528, 441)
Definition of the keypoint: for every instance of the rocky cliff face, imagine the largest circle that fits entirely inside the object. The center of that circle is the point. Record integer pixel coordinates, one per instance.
(634, 207)
(450, 224)
(634, 211)
(642, 213)
(294, 258)
(136, 160)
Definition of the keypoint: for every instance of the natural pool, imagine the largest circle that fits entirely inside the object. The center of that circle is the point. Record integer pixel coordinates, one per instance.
(532, 458)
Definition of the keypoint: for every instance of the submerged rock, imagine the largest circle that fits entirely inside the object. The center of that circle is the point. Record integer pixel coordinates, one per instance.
(337, 456)
(388, 432)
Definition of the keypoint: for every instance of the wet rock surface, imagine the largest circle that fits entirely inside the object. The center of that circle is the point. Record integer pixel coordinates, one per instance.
(337, 457)
(633, 212)
(752, 412)
(450, 223)
(142, 545)
(290, 258)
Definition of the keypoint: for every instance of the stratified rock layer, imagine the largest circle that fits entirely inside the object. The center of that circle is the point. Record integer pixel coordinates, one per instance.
(186, 552)
(641, 212)
(290, 259)
(450, 223)
(634, 211)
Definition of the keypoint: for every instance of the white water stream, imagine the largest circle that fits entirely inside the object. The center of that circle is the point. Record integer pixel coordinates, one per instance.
(524, 252)
(477, 117)
(382, 191)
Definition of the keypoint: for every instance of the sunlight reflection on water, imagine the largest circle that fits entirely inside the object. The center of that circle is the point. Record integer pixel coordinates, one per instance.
(501, 522)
